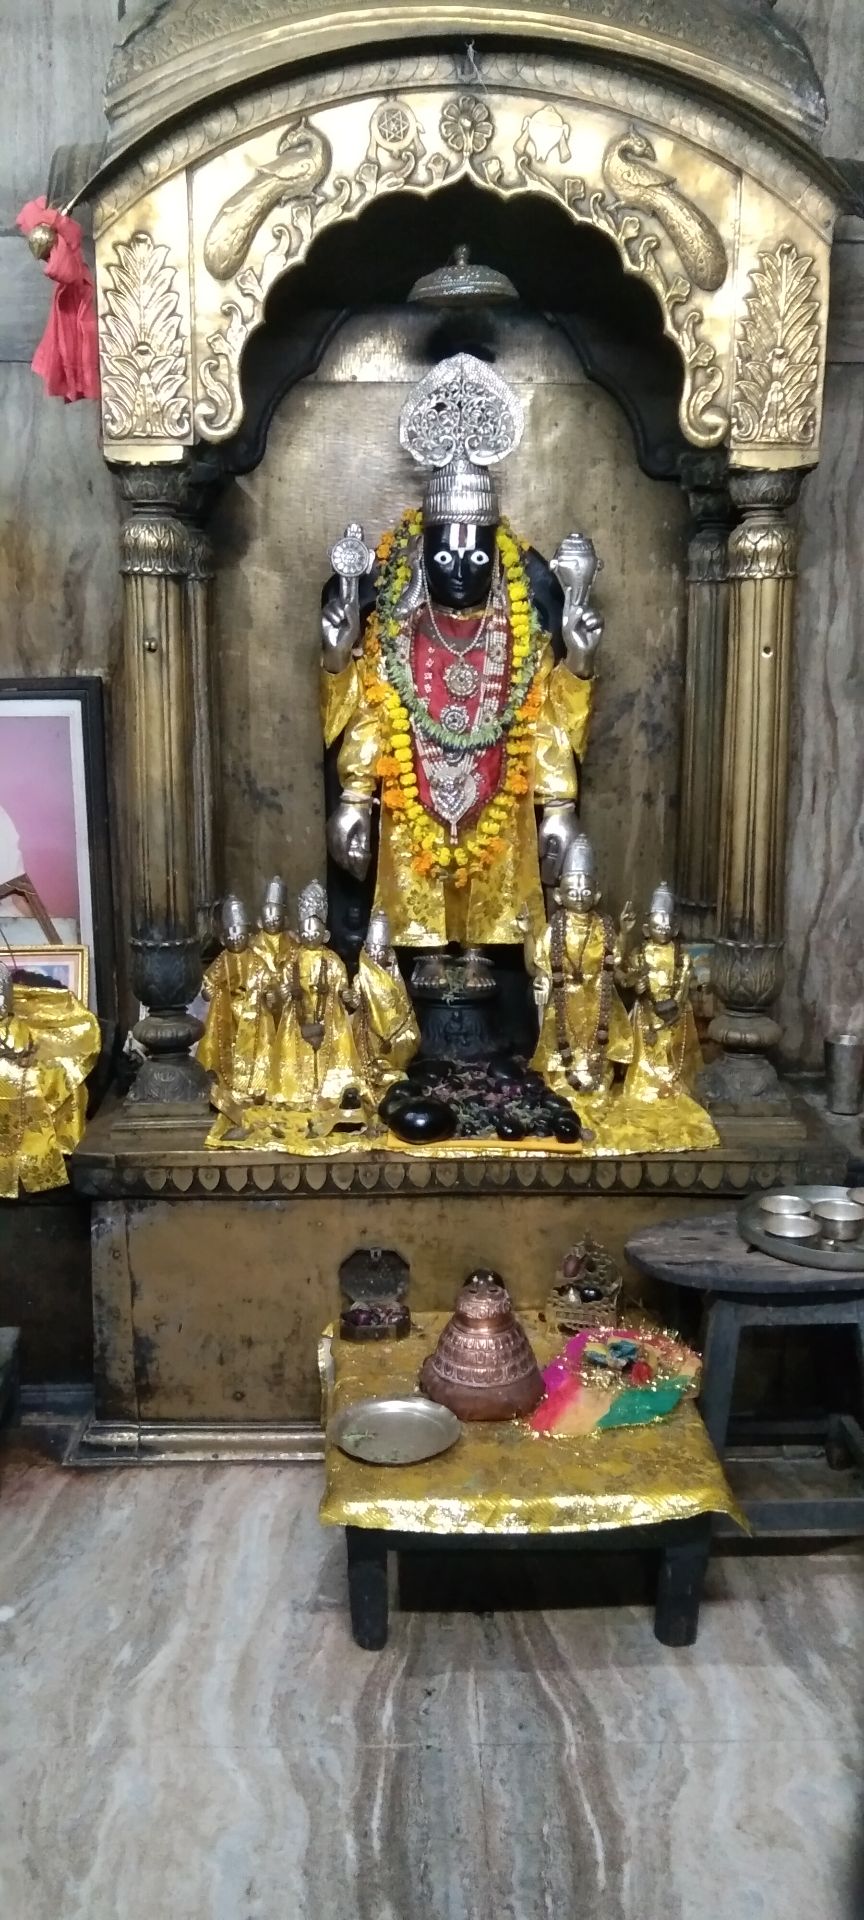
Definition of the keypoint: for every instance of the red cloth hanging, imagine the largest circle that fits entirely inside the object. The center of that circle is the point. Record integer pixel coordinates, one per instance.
(67, 358)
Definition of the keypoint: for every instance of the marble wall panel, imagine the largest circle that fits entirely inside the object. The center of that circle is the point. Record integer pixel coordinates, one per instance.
(833, 32)
(59, 583)
(55, 57)
(825, 905)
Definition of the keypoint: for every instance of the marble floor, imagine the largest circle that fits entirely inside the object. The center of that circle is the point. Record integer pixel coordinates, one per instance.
(188, 1732)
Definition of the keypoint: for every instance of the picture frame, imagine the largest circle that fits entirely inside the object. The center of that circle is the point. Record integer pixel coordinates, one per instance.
(54, 816)
(57, 966)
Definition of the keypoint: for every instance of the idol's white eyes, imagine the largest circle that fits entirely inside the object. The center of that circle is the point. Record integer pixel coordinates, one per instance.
(445, 559)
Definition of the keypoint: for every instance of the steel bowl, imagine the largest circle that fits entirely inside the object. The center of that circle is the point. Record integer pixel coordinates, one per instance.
(792, 1226)
(783, 1203)
(839, 1220)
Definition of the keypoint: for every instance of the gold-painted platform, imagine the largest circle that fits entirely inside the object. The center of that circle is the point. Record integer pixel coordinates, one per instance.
(122, 1156)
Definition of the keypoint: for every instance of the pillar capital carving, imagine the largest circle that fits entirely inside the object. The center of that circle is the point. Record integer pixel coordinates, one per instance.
(763, 548)
(159, 544)
(761, 489)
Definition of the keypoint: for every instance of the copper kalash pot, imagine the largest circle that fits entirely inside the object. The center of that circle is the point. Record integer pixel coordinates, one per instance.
(483, 1367)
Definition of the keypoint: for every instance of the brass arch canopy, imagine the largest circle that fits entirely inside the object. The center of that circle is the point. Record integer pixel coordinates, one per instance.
(173, 55)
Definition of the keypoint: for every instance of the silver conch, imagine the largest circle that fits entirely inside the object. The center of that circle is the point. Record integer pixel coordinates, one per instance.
(461, 420)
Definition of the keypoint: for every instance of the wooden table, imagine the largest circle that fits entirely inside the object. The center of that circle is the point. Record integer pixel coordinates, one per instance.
(503, 1487)
(742, 1287)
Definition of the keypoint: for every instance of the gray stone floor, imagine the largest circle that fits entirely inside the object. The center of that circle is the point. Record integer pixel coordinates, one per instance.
(188, 1732)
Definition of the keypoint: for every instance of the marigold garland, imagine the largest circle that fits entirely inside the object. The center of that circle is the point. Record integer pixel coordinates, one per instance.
(434, 851)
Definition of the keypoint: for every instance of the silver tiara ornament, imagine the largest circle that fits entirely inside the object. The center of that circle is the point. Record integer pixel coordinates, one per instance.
(235, 919)
(663, 903)
(312, 904)
(378, 932)
(461, 420)
(580, 863)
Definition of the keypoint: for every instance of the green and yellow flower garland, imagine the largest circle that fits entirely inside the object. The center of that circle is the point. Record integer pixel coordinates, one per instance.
(388, 682)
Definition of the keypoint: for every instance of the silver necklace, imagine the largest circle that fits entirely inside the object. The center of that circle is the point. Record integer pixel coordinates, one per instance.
(460, 678)
(476, 638)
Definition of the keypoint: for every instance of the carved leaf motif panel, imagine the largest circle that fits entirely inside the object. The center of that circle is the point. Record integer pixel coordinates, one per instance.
(144, 347)
(776, 398)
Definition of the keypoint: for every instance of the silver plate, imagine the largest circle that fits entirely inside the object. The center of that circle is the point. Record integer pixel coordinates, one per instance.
(752, 1223)
(394, 1433)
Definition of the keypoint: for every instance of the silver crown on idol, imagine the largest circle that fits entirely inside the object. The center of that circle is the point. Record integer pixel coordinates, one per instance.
(579, 874)
(663, 907)
(275, 906)
(312, 907)
(461, 420)
(5, 988)
(378, 933)
(235, 921)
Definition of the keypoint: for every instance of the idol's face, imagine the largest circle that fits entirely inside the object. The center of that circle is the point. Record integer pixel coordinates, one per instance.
(313, 930)
(658, 926)
(273, 917)
(578, 894)
(460, 563)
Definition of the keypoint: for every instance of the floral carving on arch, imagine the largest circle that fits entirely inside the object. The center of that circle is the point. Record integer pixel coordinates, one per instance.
(310, 178)
(234, 202)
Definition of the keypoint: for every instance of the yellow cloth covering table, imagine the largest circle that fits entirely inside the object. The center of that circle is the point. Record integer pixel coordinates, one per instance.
(503, 1485)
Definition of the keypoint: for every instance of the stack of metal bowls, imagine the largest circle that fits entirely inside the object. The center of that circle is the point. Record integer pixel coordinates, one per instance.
(829, 1224)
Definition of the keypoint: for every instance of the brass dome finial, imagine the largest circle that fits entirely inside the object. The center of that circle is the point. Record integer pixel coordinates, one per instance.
(463, 283)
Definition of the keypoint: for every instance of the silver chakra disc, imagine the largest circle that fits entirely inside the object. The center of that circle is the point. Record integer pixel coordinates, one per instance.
(456, 719)
(461, 679)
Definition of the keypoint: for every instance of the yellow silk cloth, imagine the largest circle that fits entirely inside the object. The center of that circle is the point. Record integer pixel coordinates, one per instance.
(584, 950)
(667, 1059)
(225, 985)
(385, 1026)
(47, 1047)
(302, 1076)
(501, 1478)
(423, 910)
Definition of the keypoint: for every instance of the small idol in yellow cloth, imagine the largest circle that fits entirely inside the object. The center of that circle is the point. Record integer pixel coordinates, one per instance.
(667, 1057)
(225, 986)
(385, 1028)
(315, 1059)
(584, 1029)
(48, 1044)
(270, 952)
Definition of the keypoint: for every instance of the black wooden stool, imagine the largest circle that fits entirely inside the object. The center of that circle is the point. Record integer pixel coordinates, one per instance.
(745, 1288)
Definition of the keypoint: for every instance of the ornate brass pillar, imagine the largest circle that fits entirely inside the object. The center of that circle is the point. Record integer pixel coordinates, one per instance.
(165, 564)
(748, 953)
(704, 479)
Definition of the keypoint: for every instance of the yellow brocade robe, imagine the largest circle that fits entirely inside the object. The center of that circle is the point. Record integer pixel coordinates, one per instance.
(47, 1047)
(267, 956)
(423, 910)
(302, 1077)
(386, 1030)
(667, 1059)
(225, 986)
(584, 949)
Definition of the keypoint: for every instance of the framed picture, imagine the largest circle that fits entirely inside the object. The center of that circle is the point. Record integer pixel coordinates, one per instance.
(55, 967)
(54, 832)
